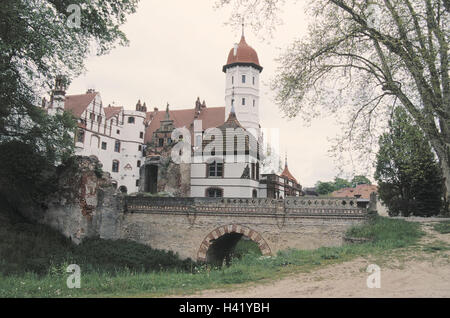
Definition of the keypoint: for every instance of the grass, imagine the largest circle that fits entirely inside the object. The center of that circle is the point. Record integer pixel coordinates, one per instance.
(442, 227)
(385, 235)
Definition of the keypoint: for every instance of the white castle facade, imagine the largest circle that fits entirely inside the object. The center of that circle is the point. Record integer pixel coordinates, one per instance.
(135, 146)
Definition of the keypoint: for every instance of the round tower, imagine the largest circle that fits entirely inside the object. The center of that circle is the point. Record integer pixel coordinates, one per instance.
(242, 85)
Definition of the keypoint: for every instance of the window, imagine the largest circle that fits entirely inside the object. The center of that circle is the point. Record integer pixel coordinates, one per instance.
(80, 135)
(215, 169)
(140, 148)
(138, 163)
(99, 119)
(254, 194)
(118, 131)
(243, 79)
(254, 103)
(169, 141)
(243, 101)
(92, 116)
(232, 79)
(117, 146)
(131, 120)
(141, 135)
(161, 142)
(115, 166)
(253, 80)
(137, 183)
(214, 193)
(104, 144)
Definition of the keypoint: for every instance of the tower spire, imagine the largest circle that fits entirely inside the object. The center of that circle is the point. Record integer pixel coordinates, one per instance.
(243, 25)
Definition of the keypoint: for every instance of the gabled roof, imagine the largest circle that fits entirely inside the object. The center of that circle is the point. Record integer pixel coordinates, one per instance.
(77, 104)
(111, 111)
(210, 117)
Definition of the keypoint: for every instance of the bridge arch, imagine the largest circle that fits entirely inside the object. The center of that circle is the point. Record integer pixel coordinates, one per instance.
(227, 230)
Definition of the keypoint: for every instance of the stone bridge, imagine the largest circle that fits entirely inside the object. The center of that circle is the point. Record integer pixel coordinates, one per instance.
(206, 229)
(203, 229)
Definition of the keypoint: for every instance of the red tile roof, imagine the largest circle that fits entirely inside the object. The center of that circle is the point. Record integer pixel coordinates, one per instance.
(244, 54)
(77, 104)
(287, 174)
(364, 190)
(111, 111)
(210, 117)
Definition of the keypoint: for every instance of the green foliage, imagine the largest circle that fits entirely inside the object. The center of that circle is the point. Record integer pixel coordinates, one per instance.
(442, 227)
(245, 247)
(28, 247)
(324, 188)
(357, 180)
(409, 178)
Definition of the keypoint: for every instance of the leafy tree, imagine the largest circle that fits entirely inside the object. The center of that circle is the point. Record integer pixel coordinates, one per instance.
(408, 175)
(340, 183)
(39, 40)
(324, 188)
(357, 180)
(359, 59)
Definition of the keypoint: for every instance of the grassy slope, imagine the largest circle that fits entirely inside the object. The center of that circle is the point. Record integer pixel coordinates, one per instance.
(386, 234)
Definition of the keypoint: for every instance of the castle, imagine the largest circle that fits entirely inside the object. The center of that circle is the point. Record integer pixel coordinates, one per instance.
(221, 146)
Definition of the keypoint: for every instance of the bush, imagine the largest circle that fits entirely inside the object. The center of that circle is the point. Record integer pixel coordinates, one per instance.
(28, 247)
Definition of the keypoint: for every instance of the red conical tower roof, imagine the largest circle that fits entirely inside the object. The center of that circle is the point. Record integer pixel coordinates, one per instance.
(242, 54)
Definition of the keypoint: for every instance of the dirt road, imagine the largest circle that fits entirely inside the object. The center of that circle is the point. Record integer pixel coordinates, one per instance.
(424, 272)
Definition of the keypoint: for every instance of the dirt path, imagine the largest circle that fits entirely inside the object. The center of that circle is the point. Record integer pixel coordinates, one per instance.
(418, 273)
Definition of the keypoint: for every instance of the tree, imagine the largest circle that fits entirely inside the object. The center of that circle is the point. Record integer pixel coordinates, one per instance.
(357, 180)
(362, 58)
(340, 183)
(324, 188)
(408, 175)
(39, 40)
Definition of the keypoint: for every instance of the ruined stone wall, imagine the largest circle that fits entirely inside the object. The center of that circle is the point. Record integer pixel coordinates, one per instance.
(86, 204)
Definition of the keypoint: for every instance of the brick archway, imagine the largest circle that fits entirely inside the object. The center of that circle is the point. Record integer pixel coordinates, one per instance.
(232, 228)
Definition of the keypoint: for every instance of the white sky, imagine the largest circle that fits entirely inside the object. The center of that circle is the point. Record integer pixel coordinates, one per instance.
(176, 53)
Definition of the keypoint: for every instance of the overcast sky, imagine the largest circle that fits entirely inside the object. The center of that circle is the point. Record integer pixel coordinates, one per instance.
(176, 53)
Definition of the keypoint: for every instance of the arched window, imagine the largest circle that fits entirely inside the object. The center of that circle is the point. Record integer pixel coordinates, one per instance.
(254, 194)
(115, 166)
(123, 189)
(214, 193)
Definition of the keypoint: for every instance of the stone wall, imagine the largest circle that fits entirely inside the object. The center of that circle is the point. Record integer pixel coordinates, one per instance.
(88, 206)
(188, 225)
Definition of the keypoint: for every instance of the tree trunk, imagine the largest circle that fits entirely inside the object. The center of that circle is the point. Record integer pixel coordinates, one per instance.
(443, 154)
